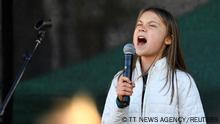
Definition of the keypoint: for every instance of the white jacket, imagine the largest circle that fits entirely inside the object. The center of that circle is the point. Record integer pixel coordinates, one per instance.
(185, 108)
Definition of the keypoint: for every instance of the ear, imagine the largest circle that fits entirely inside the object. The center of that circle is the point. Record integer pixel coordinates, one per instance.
(168, 40)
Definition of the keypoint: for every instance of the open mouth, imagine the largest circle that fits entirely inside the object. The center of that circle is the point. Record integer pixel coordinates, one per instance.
(141, 40)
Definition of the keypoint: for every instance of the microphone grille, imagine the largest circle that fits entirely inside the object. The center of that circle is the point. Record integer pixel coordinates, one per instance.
(129, 49)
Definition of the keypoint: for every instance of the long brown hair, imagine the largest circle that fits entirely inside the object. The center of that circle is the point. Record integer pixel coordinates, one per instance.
(173, 51)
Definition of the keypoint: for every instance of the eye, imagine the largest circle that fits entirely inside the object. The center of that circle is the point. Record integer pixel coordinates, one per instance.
(153, 25)
(138, 25)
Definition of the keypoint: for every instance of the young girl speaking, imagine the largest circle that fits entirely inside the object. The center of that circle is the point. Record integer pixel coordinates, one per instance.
(161, 91)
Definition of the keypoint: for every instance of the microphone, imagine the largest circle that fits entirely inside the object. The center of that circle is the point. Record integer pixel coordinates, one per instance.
(129, 51)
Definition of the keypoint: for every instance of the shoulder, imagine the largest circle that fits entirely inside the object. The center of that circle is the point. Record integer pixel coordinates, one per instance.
(183, 76)
(185, 82)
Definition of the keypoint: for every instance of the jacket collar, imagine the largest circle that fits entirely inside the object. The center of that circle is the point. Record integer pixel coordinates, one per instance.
(158, 65)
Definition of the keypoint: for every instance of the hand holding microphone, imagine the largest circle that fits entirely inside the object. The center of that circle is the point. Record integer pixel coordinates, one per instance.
(124, 85)
(124, 88)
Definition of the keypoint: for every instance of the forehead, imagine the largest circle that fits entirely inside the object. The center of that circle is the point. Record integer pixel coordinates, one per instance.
(149, 16)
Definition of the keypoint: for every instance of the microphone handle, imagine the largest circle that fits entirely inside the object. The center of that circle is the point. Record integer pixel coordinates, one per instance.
(128, 72)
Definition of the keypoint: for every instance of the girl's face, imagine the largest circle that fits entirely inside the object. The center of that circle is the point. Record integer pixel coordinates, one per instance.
(150, 35)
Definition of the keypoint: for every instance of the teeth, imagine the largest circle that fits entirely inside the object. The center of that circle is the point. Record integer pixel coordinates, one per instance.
(141, 37)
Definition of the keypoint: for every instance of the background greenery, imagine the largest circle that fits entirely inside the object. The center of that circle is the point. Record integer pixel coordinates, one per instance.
(200, 40)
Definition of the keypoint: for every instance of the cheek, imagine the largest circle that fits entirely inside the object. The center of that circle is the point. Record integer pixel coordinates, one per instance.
(156, 40)
(134, 36)
(157, 37)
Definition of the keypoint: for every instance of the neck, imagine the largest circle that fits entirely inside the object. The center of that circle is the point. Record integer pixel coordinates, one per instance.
(146, 62)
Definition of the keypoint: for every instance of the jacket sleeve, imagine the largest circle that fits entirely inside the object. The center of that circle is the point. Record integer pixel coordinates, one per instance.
(112, 114)
(190, 105)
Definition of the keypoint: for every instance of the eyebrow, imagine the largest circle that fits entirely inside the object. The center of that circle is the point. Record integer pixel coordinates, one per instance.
(153, 22)
(139, 21)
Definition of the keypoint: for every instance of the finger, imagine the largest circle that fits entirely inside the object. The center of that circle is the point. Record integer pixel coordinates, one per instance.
(124, 93)
(125, 79)
(127, 89)
(128, 85)
(124, 88)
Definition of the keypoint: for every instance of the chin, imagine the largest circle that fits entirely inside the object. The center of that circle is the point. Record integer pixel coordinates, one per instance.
(139, 53)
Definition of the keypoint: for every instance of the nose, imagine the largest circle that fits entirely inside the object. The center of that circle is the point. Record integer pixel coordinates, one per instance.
(142, 28)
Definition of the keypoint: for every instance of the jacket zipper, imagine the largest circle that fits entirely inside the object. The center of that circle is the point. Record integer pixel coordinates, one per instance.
(143, 92)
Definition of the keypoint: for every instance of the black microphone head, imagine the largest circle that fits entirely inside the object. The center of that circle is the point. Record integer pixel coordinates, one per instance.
(129, 49)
